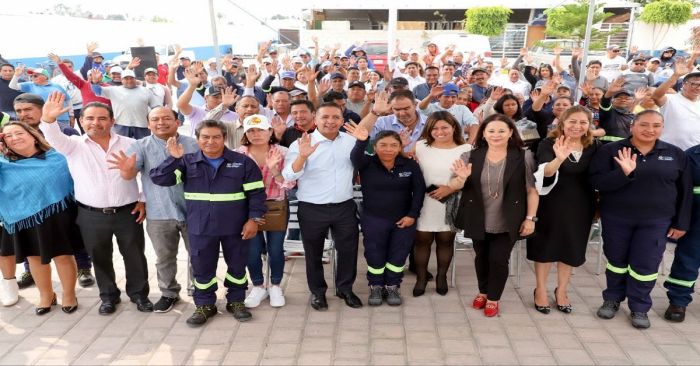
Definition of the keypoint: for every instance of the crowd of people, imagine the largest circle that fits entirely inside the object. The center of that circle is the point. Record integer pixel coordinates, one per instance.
(440, 142)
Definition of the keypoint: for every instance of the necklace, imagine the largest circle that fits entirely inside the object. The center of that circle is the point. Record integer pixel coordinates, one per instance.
(494, 193)
(576, 156)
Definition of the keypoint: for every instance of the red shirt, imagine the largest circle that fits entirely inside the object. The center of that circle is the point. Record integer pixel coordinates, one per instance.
(163, 74)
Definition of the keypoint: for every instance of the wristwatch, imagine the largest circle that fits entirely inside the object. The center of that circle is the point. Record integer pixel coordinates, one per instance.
(374, 112)
(257, 220)
(532, 218)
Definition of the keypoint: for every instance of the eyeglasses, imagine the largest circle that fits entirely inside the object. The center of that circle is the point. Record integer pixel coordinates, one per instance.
(639, 63)
(35, 75)
(616, 51)
(692, 84)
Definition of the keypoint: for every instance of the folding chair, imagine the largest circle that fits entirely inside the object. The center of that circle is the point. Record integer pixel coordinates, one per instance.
(517, 252)
(461, 243)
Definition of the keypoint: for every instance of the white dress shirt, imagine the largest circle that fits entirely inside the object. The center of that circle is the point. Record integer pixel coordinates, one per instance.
(95, 184)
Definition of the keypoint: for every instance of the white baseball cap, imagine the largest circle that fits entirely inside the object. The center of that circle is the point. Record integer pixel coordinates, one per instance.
(256, 121)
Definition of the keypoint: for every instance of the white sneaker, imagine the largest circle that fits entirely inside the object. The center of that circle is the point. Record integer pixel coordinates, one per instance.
(9, 294)
(256, 296)
(276, 297)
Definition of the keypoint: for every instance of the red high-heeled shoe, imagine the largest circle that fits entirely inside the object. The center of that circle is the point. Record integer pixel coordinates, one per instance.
(491, 309)
(479, 302)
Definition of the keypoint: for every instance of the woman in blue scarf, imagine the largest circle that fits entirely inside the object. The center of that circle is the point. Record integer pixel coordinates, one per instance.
(37, 211)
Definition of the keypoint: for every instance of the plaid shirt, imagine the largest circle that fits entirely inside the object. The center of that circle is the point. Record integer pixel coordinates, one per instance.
(275, 190)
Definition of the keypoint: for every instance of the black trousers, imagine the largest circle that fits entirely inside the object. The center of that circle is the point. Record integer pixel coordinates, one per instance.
(314, 223)
(97, 229)
(491, 263)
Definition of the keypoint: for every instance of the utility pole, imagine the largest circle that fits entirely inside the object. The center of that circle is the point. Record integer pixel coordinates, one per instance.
(586, 46)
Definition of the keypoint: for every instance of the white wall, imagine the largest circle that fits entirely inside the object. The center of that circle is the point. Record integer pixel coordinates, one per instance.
(645, 37)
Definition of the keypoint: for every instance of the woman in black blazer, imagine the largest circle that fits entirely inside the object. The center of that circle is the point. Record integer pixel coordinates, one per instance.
(498, 205)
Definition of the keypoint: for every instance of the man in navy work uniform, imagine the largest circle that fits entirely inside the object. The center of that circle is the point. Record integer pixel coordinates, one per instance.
(225, 199)
(320, 162)
(645, 187)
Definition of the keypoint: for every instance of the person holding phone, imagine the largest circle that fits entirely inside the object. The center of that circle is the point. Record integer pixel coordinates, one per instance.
(393, 189)
(441, 144)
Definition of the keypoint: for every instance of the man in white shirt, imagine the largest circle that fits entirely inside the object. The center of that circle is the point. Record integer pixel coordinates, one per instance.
(131, 105)
(162, 93)
(76, 98)
(612, 64)
(447, 98)
(108, 206)
(681, 111)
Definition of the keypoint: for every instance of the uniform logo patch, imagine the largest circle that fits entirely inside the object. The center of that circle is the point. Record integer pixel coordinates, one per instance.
(405, 174)
(666, 158)
(233, 165)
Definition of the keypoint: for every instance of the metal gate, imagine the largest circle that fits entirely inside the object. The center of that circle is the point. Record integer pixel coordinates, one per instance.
(513, 39)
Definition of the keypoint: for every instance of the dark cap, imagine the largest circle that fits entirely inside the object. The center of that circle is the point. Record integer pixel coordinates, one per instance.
(622, 92)
(399, 81)
(97, 54)
(296, 93)
(356, 84)
(695, 74)
(638, 57)
(29, 98)
(337, 75)
(212, 90)
(479, 69)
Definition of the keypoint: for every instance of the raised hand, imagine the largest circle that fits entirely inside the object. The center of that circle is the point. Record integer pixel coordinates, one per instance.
(633, 50)
(586, 88)
(314, 39)
(324, 86)
(122, 161)
(91, 47)
(681, 67)
(460, 169)
(616, 85)
(497, 93)
(640, 93)
(54, 57)
(356, 131)
(274, 67)
(192, 77)
(626, 160)
(273, 160)
(278, 126)
(174, 149)
(178, 49)
(134, 63)
(381, 102)
(576, 52)
(198, 66)
(534, 94)
(53, 107)
(590, 75)
(557, 51)
(436, 91)
(19, 70)
(229, 96)
(549, 88)
(523, 52)
(305, 146)
(562, 150)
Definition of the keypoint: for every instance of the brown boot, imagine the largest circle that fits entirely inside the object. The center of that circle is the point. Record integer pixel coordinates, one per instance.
(675, 313)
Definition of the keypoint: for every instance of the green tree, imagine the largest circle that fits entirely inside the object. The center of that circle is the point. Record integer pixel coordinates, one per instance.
(569, 21)
(664, 15)
(487, 20)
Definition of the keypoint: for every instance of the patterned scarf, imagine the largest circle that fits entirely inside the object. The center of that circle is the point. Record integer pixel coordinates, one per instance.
(33, 189)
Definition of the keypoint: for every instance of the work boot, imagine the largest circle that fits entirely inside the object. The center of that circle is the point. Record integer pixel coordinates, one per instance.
(608, 310)
(25, 280)
(201, 314)
(85, 277)
(675, 313)
(9, 292)
(375, 296)
(393, 295)
(640, 320)
(239, 311)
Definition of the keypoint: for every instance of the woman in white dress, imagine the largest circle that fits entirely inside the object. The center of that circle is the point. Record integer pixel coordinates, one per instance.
(440, 145)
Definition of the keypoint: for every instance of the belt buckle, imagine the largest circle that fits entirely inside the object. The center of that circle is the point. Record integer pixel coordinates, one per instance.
(109, 210)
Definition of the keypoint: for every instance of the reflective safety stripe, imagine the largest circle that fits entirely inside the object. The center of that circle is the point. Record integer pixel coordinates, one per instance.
(178, 176)
(235, 280)
(611, 138)
(204, 286)
(696, 190)
(375, 271)
(393, 268)
(253, 185)
(680, 282)
(643, 278)
(214, 197)
(617, 270)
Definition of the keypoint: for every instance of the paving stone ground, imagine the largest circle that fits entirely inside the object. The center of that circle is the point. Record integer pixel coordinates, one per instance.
(431, 329)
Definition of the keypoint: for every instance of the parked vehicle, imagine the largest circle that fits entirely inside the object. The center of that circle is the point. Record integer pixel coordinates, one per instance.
(465, 43)
(542, 53)
(377, 52)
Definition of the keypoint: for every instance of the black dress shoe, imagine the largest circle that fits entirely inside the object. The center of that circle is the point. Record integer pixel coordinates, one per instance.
(350, 298)
(318, 302)
(542, 309)
(143, 304)
(675, 313)
(42, 311)
(109, 307)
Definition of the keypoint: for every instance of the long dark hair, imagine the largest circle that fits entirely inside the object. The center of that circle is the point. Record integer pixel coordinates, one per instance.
(545, 66)
(498, 107)
(447, 117)
(513, 141)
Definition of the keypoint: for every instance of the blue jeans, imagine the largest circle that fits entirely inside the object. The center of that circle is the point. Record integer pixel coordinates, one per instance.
(135, 133)
(274, 241)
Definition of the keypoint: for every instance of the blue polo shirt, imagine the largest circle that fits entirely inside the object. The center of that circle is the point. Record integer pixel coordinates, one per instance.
(392, 123)
(43, 91)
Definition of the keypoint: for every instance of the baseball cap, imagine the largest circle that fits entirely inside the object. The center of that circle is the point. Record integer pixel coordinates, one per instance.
(450, 89)
(563, 86)
(356, 84)
(638, 57)
(267, 60)
(288, 75)
(128, 73)
(212, 90)
(337, 75)
(297, 59)
(150, 69)
(479, 69)
(399, 81)
(622, 92)
(116, 70)
(183, 57)
(97, 54)
(256, 121)
(655, 59)
(38, 70)
(338, 54)
(613, 47)
(296, 92)
(413, 51)
(326, 63)
(211, 60)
